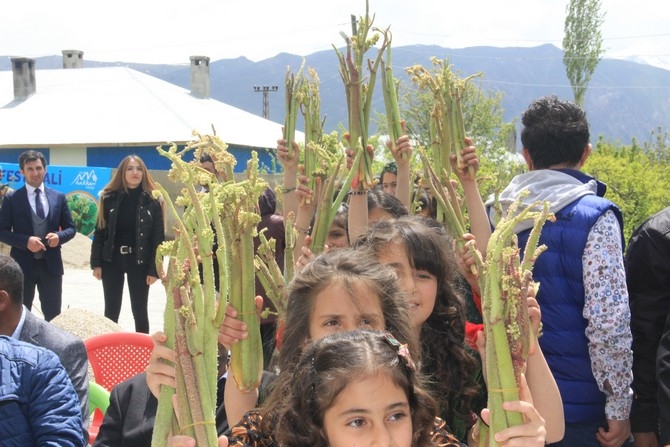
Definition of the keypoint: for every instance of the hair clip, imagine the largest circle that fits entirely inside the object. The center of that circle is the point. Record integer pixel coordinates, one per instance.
(402, 351)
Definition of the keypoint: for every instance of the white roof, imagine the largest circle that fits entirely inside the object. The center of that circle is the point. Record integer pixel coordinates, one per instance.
(119, 105)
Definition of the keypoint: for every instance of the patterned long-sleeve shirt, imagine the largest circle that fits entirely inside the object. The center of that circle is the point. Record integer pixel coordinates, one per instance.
(608, 314)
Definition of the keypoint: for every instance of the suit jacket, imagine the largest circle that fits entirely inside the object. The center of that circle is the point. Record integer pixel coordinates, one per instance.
(129, 419)
(16, 227)
(70, 350)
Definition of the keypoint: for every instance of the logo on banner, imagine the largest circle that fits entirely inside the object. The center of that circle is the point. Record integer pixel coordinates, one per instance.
(85, 179)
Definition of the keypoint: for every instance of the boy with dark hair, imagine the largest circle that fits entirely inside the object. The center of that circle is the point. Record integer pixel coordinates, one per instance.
(583, 295)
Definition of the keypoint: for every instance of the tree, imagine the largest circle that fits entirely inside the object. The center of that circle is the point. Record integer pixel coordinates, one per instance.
(636, 177)
(582, 44)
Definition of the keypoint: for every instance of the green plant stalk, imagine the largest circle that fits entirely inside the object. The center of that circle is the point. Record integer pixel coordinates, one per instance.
(196, 394)
(390, 94)
(292, 86)
(164, 412)
(310, 105)
(505, 313)
(289, 250)
(327, 206)
(459, 132)
(197, 327)
(221, 258)
(194, 379)
(452, 220)
(269, 273)
(359, 95)
(246, 360)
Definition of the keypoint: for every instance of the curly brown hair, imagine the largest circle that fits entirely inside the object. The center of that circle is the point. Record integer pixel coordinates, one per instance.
(324, 370)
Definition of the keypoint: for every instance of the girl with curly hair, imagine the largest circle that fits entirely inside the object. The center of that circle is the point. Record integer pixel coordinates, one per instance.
(421, 253)
(328, 402)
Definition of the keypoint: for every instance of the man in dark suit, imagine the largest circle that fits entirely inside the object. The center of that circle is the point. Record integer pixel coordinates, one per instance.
(17, 322)
(36, 221)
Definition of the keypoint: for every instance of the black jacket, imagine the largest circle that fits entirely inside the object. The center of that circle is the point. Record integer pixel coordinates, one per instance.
(648, 277)
(150, 231)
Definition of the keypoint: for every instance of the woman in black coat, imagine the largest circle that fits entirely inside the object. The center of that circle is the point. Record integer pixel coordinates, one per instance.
(129, 229)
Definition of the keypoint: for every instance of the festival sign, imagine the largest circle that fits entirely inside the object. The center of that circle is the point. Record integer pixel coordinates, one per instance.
(80, 184)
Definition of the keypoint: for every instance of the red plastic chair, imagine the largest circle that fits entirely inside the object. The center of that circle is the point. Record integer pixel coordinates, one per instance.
(117, 356)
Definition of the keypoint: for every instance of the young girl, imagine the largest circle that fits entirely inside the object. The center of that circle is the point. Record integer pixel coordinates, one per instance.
(128, 231)
(339, 290)
(328, 401)
(420, 252)
(426, 269)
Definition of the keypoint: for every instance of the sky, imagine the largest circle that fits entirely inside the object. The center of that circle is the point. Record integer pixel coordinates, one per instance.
(170, 31)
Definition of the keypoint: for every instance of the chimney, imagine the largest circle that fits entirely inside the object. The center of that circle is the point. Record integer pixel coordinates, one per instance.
(73, 59)
(200, 76)
(24, 77)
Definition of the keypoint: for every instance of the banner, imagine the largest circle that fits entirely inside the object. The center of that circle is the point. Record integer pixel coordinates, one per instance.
(80, 184)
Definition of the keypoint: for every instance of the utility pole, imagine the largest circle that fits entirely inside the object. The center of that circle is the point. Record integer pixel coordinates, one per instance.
(265, 90)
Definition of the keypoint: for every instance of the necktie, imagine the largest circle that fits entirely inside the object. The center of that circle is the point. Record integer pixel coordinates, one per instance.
(39, 209)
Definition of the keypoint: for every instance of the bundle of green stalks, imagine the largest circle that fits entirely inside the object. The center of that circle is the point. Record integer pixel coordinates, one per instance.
(309, 101)
(359, 92)
(194, 310)
(449, 211)
(292, 87)
(447, 128)
(390, 94)
(331, 180)
(504, 284)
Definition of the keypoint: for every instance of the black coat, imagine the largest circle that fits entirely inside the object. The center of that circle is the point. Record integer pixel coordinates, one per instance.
(129, 419)
(648, 277)
(150, 231)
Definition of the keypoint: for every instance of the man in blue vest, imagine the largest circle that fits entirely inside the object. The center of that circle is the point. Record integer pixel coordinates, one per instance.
(582, 295)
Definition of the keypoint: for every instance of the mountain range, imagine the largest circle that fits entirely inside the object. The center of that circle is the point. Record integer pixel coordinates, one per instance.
(624, 99)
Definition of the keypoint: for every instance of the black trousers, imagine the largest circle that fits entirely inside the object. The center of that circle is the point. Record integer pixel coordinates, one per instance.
(113, 279)
(50, 287)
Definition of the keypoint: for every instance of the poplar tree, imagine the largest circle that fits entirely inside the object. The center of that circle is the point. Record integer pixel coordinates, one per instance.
(582, 44)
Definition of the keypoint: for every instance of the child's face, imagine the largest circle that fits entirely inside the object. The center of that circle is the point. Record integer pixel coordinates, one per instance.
(355, 419)
(337, 237)
(420, 285)
(335, 311)
(389, 182)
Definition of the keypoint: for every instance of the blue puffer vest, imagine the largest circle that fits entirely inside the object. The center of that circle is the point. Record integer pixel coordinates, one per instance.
(561, 298)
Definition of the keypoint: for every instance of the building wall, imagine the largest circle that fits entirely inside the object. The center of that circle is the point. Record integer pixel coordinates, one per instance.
(68, 156)
(111, 156)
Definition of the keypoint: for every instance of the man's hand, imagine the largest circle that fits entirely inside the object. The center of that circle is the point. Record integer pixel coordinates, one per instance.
(52, 240)
(35, 244)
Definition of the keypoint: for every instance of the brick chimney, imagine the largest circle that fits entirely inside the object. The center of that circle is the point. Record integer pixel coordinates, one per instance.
(23, 69)
(73, 59)
(200, 76)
